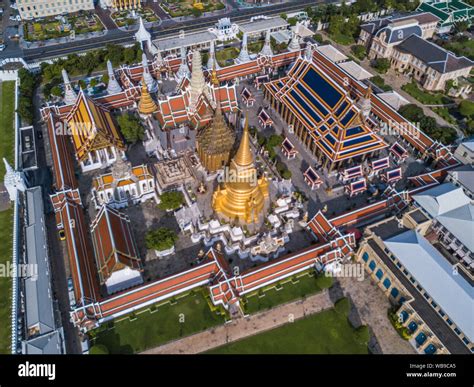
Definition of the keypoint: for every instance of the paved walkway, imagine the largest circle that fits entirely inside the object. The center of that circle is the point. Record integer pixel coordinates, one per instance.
(245, 327)
(371, 306)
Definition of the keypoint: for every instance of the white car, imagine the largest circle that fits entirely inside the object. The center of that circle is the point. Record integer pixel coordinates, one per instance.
(2, 47)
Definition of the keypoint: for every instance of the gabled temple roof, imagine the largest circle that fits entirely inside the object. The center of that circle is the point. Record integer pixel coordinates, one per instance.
(114, 245)
(173, 111)
(326, 110)
(92, 127)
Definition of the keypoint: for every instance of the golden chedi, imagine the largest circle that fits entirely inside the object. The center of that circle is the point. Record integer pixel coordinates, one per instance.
(215, 142)
(244, 198)
(146, 104)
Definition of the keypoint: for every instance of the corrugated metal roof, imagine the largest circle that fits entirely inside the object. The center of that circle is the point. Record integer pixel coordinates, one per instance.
(435, 274)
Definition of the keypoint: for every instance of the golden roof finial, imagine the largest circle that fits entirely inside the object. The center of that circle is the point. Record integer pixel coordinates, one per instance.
(214, 79)
(146, 104)
(244, 156)
(368, 92)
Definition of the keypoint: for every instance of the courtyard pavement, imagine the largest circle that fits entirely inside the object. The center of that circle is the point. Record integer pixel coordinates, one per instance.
(370, 308)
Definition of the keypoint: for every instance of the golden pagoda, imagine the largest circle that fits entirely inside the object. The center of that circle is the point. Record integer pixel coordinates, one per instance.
(214, 143)
(146, 104)
(244, 198)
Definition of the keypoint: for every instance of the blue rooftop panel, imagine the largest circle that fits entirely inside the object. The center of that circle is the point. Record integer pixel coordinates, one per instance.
(312, 100)
(322, 88)
(354, 131)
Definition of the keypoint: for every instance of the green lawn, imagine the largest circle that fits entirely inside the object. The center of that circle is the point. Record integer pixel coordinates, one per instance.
(7, 116)
(170, 320)
(6, 228)
(328, 332)
(255, 47)
(445, 113)
(225, 54)
(425, 97)
(294, 288)
(340, 38)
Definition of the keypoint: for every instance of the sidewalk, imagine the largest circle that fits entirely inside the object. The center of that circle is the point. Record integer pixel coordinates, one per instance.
(246, 326)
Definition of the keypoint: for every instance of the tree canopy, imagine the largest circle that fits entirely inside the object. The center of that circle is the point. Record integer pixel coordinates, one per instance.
(160, 239)
(171, 200)
(131, 127)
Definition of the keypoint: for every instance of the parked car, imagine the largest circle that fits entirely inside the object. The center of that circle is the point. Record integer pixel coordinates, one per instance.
(2, 47)
(70, 285)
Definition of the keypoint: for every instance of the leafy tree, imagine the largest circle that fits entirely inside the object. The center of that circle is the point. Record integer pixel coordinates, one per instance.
(56, 91)
(359, 51)
(171, 200)
(99, 349)
(196, 12)
(274, 140)
(114, 54)
(466, 108)
(160, 239)
(336, 24)
(411, 112)
(382, 65)
(343, 306)
(25, 109)
(363, 6)
(428, 125)
(292, 21)
(131, 127)
(461, 26)
(318, 38)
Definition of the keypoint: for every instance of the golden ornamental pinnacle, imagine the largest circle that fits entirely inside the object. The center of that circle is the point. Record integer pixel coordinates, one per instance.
(215, 141)
(244, 198)
(146, 104)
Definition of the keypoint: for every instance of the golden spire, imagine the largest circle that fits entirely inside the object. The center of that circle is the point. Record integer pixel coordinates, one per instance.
(214, 79)
(146, 104)
(368, 92)
(244, 198)
(215, 142)
(244, 156)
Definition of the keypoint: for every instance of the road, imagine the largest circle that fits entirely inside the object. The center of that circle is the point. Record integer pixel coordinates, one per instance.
(168, 27)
